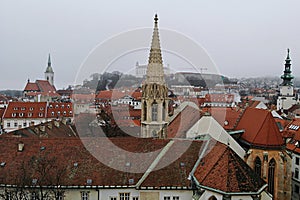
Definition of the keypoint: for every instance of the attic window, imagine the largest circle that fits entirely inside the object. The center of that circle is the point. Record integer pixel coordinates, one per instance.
(29, 114)
(42, 148)
(23, 108)
(65, 112)
(2, 164)
(56, 106)
(68, 106)
(293, 127)
(41, 108)
(13, 114)
(70, 112)
(34, 181)
(89, 181)
(15, 108)
(131, 181)
(40, 114)
(21, 114)
(31, 108)
(75, 164)
(62, 106)
(52, 113)
(50, 106)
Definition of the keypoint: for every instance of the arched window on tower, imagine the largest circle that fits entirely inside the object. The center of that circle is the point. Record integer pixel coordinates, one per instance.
(271, 176)
(154, 111)
(145, 111)
(257, 166)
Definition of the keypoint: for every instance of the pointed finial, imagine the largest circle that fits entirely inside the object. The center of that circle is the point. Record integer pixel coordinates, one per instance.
(288, 54)
(49, 60)
(155, 18)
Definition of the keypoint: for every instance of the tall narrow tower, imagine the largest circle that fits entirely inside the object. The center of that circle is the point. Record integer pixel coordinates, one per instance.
(286, 97)
(49, 74)
(154, 93)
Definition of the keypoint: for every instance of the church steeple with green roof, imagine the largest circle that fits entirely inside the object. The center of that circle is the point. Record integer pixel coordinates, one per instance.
(287, 76)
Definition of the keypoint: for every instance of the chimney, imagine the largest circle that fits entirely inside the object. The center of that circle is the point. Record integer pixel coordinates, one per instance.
(42, 128)
(56, 123)
(20, 146)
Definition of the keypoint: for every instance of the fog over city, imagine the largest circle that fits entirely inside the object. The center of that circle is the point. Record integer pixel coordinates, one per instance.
(243, 38)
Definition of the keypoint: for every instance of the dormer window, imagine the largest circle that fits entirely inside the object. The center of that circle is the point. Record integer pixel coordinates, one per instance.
(23, 108)
(41, 108)
(13, 114)
(21, 114)
(51, 106)
(40, 114)
(31, 108)
(29, 114)
(15, 108)
(56, 106)
(65, 112)
(52, 113)
(62, 106)
(68, 106)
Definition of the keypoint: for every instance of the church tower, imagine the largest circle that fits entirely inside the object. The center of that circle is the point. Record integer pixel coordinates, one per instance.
(49, 74)
(154, 117)
(286, 98)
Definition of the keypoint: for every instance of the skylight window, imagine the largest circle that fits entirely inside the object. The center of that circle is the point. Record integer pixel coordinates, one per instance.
(294, 127)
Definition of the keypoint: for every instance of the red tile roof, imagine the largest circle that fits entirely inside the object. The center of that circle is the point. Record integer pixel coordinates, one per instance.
(26, 110)
(260, 128)
(226, 117)
(45, 86)
(57, 110)
(109, 95)
(224, 170)
(183, 122)
(137, 154)
(31, 87)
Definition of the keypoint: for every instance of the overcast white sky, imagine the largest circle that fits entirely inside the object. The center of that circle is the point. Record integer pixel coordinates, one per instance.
(244, 38)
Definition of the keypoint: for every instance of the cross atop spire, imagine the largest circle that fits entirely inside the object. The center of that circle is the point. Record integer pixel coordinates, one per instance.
(155, 72)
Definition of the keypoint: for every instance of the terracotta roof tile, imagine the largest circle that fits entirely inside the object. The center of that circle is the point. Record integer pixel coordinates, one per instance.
(260, 128)
(31, 87)
(234, 175)
(25, 110)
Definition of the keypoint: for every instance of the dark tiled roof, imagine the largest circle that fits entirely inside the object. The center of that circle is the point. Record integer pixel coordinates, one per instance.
(260, 128)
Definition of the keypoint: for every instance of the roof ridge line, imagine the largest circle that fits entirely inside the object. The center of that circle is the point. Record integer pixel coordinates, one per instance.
(155, 162)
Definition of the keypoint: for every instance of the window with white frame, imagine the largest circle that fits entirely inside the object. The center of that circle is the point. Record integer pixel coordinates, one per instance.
(167, 198)
(16, 124)
(175, 197)
(296, 173)
(297, 161)
(8, 124)
(135, 198)
(112, 198)
(24, 124)
(124, 196)
(84, 195)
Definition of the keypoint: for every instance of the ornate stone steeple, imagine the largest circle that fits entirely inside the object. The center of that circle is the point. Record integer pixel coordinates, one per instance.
(287, 76)
(49, 73)
(154, 92)
(155, 71)
(286, 98)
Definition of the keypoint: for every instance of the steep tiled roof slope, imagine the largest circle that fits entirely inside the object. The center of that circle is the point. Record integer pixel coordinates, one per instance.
(260, 128)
